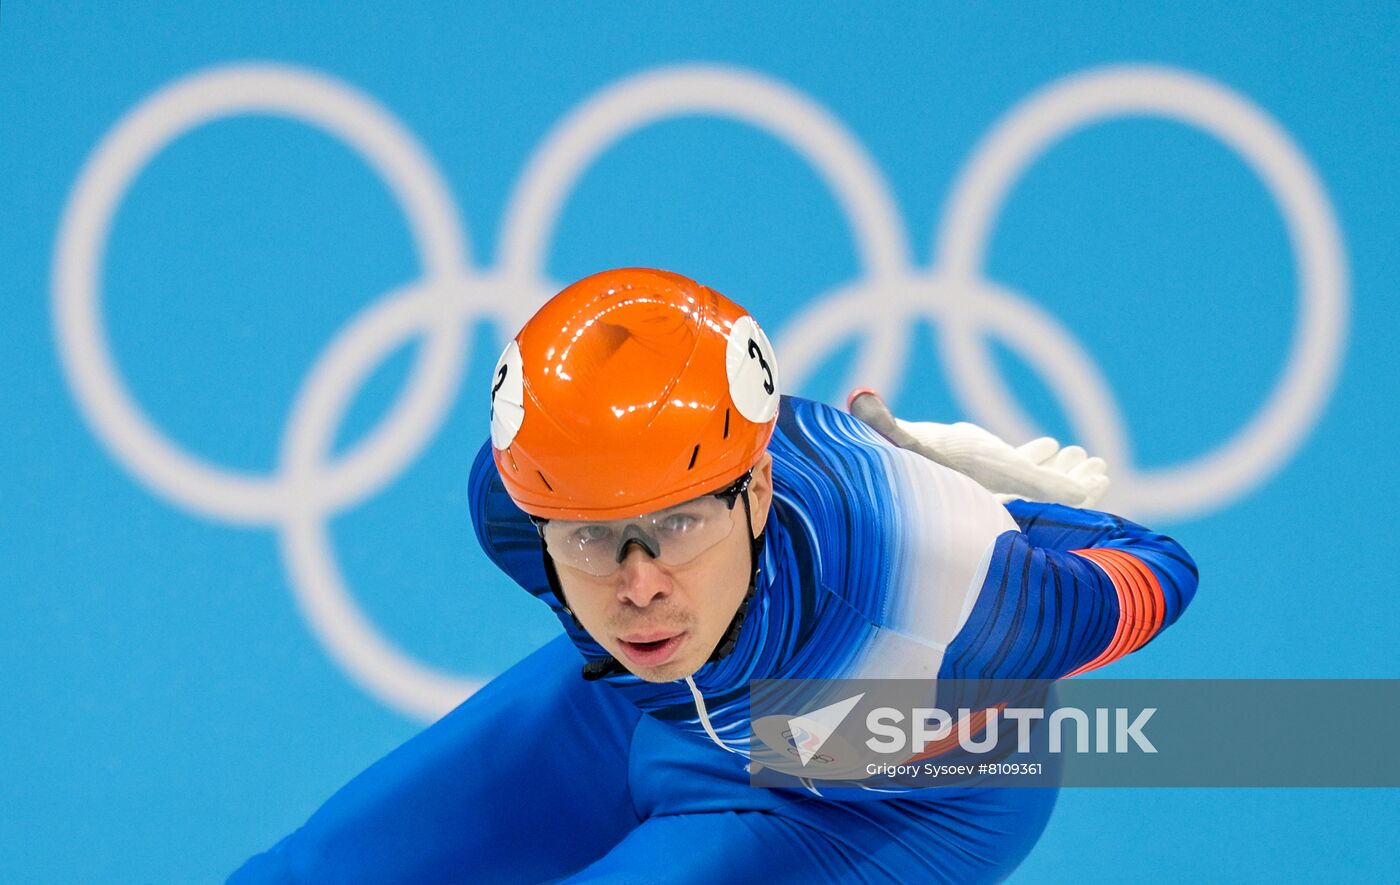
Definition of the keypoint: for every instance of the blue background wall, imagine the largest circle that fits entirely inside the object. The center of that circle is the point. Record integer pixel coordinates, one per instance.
(167, 706)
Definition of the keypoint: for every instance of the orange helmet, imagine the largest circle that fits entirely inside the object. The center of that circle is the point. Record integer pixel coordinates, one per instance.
(628, 392)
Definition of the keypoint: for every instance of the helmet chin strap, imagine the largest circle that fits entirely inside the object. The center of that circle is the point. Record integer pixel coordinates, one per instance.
(597, 668)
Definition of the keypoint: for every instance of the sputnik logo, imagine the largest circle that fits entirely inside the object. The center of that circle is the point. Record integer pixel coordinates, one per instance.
(811, 730)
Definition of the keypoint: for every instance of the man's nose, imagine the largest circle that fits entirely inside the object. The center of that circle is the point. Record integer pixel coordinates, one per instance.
(642, 578)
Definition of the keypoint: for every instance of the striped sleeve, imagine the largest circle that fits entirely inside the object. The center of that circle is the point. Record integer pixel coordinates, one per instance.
(1073, 590)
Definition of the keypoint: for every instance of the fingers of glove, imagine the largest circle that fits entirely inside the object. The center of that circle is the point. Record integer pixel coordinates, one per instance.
(1073, 486)
(1038, 450)
(1068, 458)
(1095, 488)
(1089, 467)
(1081, 486)
(1092, 475)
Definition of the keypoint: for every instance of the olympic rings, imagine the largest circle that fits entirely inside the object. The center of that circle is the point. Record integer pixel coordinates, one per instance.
(310, 485)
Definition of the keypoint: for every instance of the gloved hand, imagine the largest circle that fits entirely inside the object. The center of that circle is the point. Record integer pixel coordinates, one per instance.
(1038, 471)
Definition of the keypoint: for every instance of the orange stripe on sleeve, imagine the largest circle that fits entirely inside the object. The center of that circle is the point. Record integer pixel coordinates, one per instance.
(1140, 603)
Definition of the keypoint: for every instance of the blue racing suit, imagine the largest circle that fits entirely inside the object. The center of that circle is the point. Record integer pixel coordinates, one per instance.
(875, 562)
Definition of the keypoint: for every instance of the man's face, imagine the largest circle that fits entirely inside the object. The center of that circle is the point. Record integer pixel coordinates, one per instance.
(662, 622)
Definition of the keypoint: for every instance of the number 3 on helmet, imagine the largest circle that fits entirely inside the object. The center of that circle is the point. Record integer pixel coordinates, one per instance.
(630, 391)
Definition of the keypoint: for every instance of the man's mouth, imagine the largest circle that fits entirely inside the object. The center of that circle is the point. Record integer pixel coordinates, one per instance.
(651, 648)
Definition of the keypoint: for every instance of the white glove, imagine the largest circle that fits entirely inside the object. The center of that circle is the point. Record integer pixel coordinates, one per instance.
(1038, 471)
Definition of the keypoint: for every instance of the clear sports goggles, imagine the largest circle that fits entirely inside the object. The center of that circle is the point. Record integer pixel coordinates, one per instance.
(673, 536)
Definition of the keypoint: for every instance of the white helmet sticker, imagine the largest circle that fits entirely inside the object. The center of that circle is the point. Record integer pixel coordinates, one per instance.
(753, 371)
(507, 397)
